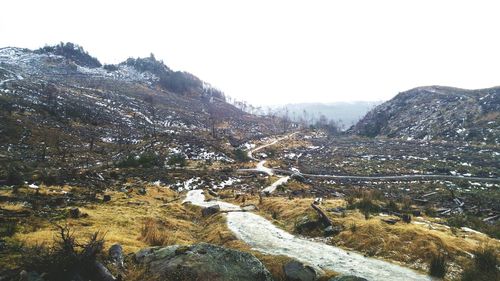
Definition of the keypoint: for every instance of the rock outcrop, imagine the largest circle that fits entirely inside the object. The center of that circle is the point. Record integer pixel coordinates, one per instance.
(202, 262)
(297, 271)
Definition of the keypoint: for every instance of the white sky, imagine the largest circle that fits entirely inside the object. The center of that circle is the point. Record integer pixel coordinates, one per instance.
(271, 52)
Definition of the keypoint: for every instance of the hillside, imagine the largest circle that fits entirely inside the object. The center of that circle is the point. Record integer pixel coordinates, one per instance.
(436, 112)
(62, 110)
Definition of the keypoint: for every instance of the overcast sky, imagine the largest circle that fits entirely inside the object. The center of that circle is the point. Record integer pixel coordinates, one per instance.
(269, 52)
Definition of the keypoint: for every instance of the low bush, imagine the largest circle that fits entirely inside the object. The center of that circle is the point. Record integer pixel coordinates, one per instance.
(66, 259)
(14, 176)
(145, 160)
(177, 160)
(485, 266)
(240, 155)
(437, 267)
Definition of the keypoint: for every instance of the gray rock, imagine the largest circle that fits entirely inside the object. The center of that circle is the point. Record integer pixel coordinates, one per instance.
(212, 210)
(306, 224)
(202, 262)
(332, 230)
(116, 254)
(347, 278)
(297, 271)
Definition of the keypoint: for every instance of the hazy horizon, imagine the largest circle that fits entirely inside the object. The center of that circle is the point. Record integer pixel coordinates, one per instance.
(280, 52)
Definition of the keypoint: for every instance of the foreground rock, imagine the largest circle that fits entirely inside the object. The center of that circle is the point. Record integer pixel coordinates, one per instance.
(202, 262)
(212, 210)
(297, 271)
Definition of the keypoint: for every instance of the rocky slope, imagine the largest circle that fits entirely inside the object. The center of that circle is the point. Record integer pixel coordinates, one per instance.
(435, 112)
(60, 108)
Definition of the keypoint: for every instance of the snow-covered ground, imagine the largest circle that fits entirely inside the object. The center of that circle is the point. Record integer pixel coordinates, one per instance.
(263, 236)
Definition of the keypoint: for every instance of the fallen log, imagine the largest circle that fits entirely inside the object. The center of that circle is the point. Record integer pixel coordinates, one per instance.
(492, 218)
(422, 201)
(322, 216)
(429, 194)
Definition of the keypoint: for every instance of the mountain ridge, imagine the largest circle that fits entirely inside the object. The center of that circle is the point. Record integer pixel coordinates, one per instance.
(436, 112)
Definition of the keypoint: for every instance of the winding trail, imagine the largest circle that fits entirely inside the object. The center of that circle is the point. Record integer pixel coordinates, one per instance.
(260, 168)
(264, 237)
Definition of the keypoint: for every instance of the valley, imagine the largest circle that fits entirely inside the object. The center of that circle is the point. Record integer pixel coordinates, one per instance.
(166, 176)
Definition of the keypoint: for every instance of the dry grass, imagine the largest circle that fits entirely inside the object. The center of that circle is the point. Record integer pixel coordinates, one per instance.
(121, 219)
(142, 221)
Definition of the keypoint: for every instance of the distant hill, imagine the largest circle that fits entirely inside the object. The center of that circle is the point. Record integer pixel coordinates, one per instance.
(59, 107)
(436, 112)
(347, 112)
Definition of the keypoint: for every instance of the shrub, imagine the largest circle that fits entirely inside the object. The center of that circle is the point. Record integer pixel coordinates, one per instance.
(177, 159)
(145, 160)
(66, 258)
(353, 227)
(437, 267)
(484, 267)
(240, 155)
(49, 177)
(14, 177)
(366, 205)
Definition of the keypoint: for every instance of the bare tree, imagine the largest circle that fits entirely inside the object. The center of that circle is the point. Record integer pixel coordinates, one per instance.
(152, 113)
(215, 116)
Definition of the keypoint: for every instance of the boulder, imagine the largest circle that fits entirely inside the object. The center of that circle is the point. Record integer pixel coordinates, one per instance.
(202, 262)
(306, 224)
(212, 210)
(347, 278)
(297, 271)
(116, 255)
(332, 230)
